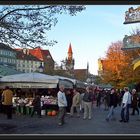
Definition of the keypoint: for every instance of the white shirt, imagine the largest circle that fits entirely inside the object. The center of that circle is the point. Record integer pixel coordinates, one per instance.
(62, 102)
(126, 98)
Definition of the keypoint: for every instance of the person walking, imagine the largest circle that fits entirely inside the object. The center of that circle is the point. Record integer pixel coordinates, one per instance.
(62, 104)
(112, 104)
(7, 96)
(75, 103)
(134, 102)
(126, 102)
(88, 98)
(98, 98)
(106, 100)
(69, 101)
(36, 106)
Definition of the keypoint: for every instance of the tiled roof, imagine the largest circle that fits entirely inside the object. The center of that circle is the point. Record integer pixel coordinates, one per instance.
(41, 54)
(21, 55)
(37, 52)
(47, 54)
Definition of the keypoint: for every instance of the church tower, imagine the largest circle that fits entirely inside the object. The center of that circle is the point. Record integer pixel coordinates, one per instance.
(70, 53)
(70, 60)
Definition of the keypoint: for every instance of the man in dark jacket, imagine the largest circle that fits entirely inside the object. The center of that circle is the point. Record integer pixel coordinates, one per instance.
(112, 104)
(88, 99)
(134, 102)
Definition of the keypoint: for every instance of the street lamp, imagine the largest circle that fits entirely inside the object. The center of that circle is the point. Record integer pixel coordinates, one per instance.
(41, 68)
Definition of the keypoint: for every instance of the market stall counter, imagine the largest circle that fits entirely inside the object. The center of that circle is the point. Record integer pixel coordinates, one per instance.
(49, 103)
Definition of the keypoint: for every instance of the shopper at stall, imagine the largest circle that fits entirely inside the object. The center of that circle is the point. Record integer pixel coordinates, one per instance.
(75, 103)
(62, 104)
(36, 106)
(7, 96)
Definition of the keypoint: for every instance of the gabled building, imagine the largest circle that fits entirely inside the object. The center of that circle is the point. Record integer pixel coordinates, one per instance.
(35, 59)
(27, 62)
(44, 56)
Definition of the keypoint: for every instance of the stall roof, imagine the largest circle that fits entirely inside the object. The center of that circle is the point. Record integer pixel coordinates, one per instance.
(30, 77)
(67, 82)
(77, 83)
(65, 78)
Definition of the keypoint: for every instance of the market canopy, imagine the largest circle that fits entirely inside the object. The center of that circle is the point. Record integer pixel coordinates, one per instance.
(67, 82)
(29, 80)
(72, 82)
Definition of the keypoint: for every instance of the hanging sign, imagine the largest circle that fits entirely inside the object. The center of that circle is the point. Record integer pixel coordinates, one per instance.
(132, 15)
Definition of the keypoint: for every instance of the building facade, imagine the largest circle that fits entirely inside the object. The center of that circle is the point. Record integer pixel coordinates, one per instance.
(34, 60)
(26, 62)
(7, 56)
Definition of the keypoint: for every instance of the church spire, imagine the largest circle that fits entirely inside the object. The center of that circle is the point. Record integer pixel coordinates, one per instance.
(87, 69)
(70, 53)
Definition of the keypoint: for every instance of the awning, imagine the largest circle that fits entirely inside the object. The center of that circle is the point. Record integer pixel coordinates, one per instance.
(136, 63)
(29, 80)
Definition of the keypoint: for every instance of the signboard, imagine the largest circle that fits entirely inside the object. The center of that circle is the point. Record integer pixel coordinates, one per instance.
(132, 15)
(130, 42)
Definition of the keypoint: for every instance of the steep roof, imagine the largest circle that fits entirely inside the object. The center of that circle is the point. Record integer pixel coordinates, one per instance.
(39, 53)
(70, 49)
(21, 55)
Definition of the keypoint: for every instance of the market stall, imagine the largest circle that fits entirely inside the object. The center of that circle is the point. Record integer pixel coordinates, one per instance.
(28, 84)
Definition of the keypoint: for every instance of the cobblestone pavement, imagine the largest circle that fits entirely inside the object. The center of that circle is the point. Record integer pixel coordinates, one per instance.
(48, 124)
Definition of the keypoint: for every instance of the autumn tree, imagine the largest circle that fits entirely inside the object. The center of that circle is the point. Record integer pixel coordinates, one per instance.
(116, 67)
(27, 25)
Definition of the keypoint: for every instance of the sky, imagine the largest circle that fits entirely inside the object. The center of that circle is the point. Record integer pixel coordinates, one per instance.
(90, 33)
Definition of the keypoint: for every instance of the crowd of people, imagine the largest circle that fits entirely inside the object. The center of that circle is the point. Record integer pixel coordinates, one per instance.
(79, 103)
(83, 102)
